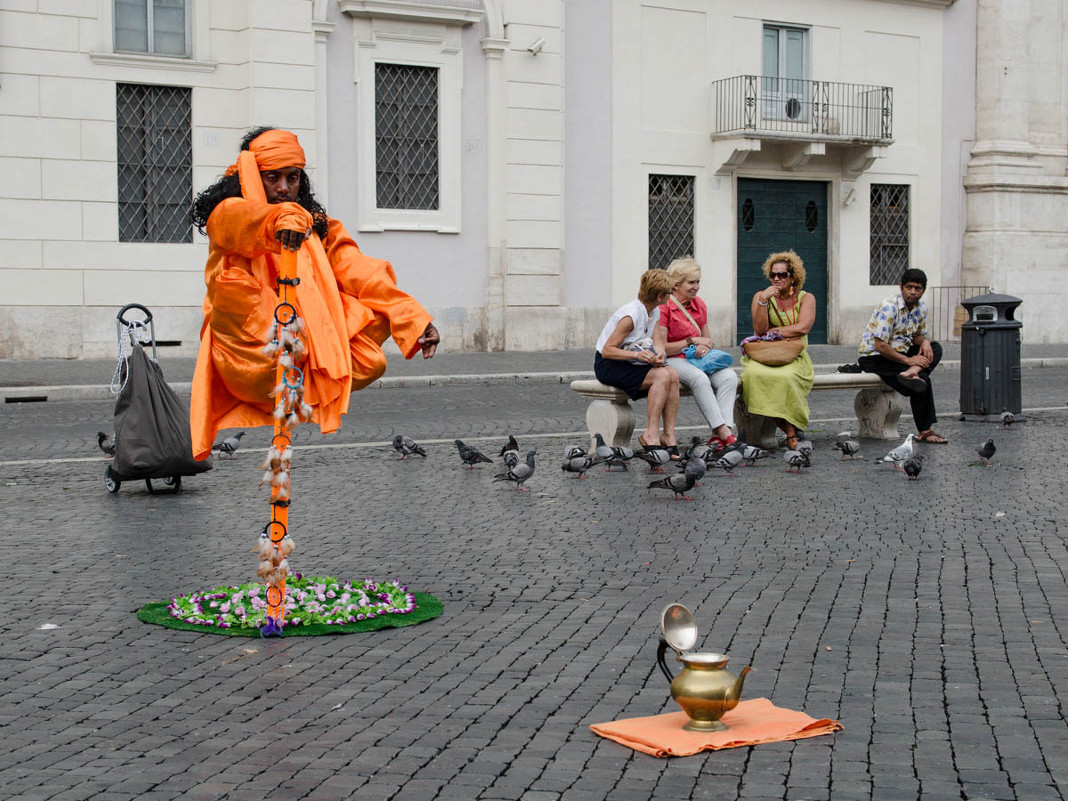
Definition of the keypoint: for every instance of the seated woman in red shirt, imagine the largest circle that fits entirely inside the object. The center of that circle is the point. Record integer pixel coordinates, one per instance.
(685, 318)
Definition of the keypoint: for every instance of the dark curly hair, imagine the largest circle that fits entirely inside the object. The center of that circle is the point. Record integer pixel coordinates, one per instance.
(230, 186)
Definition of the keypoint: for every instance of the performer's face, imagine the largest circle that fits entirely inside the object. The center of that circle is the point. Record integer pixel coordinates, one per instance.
(281, 185)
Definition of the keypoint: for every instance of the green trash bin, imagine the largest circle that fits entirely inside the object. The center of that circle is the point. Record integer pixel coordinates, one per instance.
(990, 377)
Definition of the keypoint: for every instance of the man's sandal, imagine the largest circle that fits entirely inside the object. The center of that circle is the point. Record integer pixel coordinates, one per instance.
(912, 382)
(931, 438)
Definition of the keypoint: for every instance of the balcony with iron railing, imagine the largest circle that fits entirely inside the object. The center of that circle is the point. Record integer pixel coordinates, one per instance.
(756, 106)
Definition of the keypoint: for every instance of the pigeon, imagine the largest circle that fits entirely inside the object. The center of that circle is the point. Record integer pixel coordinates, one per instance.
(406, 446)
(913, 465)
(510, 452)
(699, 449)
(679, 483)
(106, 443)
(898, 455)
(578, 465)
(229, 445)
(842, 436)
(655, 458)
(986, 452)
(696, 468)
(805, 448)
(750, 454)
(1007, 418)
(574, 451)
(849, 448)
(607, 454)
(794, 459)
(471, 456)
(520, 473)
(727, 462)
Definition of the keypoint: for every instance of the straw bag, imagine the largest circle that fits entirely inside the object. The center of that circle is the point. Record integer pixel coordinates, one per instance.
(773, 353)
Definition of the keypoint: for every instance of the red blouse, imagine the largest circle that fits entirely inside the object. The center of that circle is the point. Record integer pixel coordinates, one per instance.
(678, 327)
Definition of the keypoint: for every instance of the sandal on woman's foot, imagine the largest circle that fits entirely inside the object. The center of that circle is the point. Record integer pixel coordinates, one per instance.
(647, 447)
(791, 442)
(931, 438)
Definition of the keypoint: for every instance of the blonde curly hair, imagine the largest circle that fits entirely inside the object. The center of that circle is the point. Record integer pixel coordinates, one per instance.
(794, 266)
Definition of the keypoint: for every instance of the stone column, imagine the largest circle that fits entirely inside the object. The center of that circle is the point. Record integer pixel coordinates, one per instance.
(1017, 192)
(496, 192)
(322, 29)
(1002, 89)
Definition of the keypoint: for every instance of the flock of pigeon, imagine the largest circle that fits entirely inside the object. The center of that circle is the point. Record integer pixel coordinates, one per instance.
(689, 467)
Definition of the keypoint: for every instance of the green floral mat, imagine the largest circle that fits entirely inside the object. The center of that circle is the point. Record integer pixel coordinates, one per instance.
(314, 606)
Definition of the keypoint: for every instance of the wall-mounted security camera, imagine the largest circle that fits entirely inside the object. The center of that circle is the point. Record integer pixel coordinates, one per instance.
(536, 46)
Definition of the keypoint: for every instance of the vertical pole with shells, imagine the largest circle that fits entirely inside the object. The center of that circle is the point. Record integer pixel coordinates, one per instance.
(285, 343)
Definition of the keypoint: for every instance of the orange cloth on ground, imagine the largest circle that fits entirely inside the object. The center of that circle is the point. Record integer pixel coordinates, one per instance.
(349, 302)
(750, 723)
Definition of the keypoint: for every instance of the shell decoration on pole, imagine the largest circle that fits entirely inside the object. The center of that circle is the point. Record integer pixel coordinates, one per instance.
(290, 410)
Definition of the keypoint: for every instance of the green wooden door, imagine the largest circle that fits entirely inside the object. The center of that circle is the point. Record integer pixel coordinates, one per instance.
(775, 216)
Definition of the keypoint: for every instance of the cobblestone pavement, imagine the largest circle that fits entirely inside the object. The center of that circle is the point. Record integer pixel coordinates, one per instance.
(929, 616)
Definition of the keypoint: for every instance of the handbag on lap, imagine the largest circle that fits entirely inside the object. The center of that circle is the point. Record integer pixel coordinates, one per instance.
(773, 352)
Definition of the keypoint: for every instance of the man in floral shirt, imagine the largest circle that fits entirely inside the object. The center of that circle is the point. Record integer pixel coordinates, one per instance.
(895, 347)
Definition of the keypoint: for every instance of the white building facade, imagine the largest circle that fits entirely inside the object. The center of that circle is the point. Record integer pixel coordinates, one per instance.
(520, 162)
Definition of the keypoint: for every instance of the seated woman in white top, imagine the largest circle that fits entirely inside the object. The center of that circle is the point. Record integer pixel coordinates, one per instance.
(642, 373)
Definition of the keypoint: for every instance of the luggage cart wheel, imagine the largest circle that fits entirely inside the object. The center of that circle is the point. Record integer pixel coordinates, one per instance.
(111, 481)
(173, 481)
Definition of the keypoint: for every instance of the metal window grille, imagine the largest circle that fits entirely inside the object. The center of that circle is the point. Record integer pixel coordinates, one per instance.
(406, 136)
(155, 163)
(671, 214)
(889, 233)
(160, 27)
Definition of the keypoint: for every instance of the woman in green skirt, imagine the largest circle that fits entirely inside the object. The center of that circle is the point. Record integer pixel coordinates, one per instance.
(781, 393)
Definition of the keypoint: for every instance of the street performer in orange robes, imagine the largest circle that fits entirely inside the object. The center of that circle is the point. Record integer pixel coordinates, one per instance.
(349, 302)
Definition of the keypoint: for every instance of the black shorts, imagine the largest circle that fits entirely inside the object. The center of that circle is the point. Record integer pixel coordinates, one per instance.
(622, 375)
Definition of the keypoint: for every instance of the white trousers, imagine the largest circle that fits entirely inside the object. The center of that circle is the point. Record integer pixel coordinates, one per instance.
(714, 393)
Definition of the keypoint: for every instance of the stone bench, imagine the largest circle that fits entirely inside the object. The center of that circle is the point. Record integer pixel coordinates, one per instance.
(877, 407)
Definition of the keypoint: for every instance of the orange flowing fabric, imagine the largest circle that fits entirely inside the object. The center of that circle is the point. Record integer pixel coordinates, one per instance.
(350, 304)
(750, 723)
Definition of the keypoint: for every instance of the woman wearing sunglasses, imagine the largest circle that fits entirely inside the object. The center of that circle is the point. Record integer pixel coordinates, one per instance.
(781, 393)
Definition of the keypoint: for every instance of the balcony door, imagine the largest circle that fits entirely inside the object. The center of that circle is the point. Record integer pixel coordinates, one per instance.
(785, 83)
(782, 215)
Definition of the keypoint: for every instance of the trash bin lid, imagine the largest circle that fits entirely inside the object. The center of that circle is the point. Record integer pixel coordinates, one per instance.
(1004, 304)
(992, 299)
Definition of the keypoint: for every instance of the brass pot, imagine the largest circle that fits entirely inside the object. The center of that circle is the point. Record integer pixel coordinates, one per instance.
(704, 688)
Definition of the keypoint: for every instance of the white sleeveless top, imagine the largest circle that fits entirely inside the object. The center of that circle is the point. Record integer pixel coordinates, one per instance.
(644, 323)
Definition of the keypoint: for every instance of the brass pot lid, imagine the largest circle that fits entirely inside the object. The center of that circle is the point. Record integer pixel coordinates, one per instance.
(679, 627)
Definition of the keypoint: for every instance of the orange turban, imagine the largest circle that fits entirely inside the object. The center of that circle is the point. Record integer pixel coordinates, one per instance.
(271, 150)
